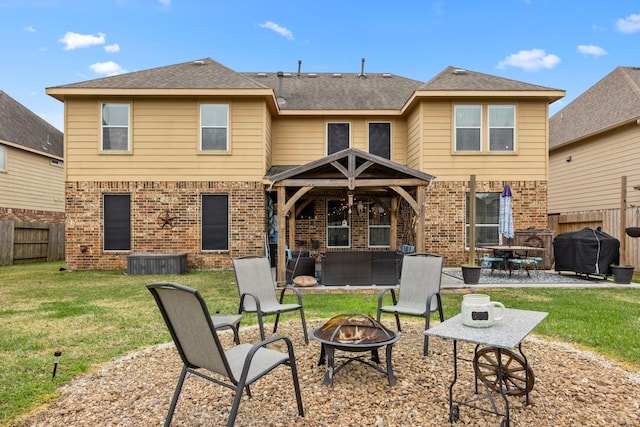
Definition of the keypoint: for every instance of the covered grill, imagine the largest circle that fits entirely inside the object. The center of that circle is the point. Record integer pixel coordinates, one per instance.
(586, 251)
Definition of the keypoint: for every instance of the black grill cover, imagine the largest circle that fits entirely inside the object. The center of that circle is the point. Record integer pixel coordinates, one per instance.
(586, 251)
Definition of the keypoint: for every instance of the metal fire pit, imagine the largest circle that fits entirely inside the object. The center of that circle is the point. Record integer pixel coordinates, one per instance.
(354, 334)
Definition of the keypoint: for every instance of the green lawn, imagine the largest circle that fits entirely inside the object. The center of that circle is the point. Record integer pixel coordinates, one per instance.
(92, 317)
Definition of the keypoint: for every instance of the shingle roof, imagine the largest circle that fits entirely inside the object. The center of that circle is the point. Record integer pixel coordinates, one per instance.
(199, 74)
(339, 91)
(452, 78)
(19, 125)
(304, 91)
(612, 101)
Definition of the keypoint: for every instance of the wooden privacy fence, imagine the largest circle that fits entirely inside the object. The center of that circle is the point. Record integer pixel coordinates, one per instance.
(23, 242)
(609, 220)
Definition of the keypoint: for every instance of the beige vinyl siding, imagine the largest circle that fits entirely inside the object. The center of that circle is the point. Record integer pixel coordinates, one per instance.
(527, 163)
(591, 180)
(300, 140)
(31, 182)
(414, 138)
(268, 141)
(165, 142)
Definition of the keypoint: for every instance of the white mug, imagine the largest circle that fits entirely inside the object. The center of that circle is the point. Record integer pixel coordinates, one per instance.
(479, 311)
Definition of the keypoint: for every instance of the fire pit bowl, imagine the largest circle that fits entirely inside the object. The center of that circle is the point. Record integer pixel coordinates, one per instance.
(355, 334)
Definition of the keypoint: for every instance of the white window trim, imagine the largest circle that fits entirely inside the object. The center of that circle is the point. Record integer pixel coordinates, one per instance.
(326, 149)
(489, 127)
(128, 126)
(201, 127)
(455, 128)
(348, 227)
(390, 135)
(3, 158)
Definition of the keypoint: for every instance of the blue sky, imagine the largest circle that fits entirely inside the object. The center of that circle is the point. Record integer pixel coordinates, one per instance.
(563, 44)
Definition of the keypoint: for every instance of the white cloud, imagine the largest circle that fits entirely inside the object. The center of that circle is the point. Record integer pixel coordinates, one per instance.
(629, 25)
(530, 60)
(109, 68)
(30, 29)
(75, 40)
(591, 50)
(165, 3)
(112, 48)
(278, 29)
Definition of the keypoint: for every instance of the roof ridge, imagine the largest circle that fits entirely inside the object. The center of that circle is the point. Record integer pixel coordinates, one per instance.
(630, 81)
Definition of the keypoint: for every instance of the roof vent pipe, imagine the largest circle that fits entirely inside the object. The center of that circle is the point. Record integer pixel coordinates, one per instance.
(280, 75)
(362, 74)
(299, 66)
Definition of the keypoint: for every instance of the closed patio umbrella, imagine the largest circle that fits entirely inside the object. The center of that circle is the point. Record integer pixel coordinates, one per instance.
(505, 221)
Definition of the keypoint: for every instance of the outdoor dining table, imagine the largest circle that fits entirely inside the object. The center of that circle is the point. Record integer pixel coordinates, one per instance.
(507, 252)
(504, 335)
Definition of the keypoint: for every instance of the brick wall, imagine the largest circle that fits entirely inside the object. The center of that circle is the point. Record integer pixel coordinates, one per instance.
(444, 223)
(445, 216)
(149, 202)
(30, 215)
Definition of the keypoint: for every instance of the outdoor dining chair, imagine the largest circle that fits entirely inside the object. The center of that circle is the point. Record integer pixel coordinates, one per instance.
(258, 294)
(418, 292)
(196, 339)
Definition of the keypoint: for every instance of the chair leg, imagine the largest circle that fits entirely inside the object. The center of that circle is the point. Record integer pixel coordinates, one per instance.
(261, 326)
(296, 384)
(176, 394)
(236, 404)
(304, 326)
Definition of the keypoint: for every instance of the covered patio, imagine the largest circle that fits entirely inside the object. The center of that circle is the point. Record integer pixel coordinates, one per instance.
(359, 180)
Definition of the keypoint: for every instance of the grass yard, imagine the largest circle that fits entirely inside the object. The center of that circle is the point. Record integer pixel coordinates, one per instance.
(92, 317)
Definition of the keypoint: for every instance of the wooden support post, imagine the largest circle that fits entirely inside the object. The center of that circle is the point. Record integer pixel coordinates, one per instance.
(472, 220)
(623, 220)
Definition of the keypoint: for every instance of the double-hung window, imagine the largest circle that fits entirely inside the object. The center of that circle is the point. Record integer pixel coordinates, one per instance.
(338, 225)
(487, 218)
(380, 139)
(215, 222)
(380, 224)
(214, 127)
(3, 158)
(338, 137)
(115, 126)
(117, 222)
(468, 125)
(502, 127)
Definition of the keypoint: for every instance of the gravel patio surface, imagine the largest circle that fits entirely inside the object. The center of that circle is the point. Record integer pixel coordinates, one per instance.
(572, 388)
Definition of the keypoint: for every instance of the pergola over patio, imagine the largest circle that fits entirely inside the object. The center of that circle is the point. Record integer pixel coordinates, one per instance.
(353, 171)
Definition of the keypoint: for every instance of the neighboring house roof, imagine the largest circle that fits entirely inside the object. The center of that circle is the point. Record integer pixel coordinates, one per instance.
(21, 127)
(301, 91)
(611, 102)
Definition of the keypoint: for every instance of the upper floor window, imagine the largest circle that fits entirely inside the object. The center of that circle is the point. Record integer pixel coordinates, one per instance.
(115, 127)
(338, 137)
(3, 158)
(471, 128)
(214, 127)
(502, 127)
(117, 222)
(380, 139)
(468, 124)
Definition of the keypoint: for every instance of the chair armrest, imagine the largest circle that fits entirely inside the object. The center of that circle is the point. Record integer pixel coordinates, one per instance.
(255, 299)
(381, 296)
(248, 359)
(290, 288)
